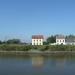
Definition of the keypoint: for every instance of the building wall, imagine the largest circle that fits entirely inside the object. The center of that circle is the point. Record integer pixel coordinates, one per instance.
(37, 41)
(60, 41)
(69, 43)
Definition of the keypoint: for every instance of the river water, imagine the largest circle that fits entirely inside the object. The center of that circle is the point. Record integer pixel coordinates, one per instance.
(51, 64)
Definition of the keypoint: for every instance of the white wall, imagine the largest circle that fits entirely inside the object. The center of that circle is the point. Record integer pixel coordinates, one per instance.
(52, 44)
(37, 42)
(60, 41)
(71, 43)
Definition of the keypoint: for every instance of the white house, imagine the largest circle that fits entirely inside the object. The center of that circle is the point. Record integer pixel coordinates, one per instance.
(60, 39)
(37, 39)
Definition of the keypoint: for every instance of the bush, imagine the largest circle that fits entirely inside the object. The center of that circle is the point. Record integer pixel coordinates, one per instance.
(34, 47)
(62, 48)
(17, 47)
(43, 48)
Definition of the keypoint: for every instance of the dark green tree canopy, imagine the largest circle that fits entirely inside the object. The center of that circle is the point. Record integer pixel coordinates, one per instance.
(70, 36)
(51, 39)
(0, 42)
(14, 41)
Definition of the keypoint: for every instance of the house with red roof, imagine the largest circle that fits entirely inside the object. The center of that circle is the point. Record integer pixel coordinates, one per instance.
(37, 39)
(60, 39)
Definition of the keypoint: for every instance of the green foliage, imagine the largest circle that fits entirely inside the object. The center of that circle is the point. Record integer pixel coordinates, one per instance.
(0, 42)
(34, 47)
(62, 48)
(15, 47)
(45, 43)
(14, 41)
(43, 48)
(51, 39)
(70, 36)
(46, 47)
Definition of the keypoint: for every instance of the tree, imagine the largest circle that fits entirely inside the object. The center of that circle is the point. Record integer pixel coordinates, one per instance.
(45, 43)
(14, 41)
(0, 42)
(70, 36)
(51, 39)
(3, 42)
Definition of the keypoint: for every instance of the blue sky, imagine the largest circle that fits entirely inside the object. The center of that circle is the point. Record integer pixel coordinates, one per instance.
(23, 18)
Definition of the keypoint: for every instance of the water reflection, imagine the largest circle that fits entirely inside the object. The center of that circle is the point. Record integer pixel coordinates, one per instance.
(58, 60)
(43, 64)
(55, 60)
(61, 62)
(37, 61)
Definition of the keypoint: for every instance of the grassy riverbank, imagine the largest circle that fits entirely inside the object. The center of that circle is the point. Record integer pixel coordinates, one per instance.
(16, 47)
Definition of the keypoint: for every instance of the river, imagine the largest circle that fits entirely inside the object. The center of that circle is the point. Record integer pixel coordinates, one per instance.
(49, 64)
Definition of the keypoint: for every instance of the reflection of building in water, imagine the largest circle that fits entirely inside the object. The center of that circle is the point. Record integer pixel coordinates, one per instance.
(61, 62)
(37, 61)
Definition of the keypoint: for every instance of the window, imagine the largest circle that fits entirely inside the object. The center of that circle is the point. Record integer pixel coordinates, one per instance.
(37, 43)
(40, 43)
(57, 40)
(37, 39)
(34, 43)
(34, 40)
(63, 40)
(60, 40)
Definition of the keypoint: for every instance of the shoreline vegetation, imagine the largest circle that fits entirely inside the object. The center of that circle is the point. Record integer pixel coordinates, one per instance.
(43, 49)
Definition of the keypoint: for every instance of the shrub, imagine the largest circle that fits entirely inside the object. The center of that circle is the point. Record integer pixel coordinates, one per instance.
(17, 47)
(43, 48)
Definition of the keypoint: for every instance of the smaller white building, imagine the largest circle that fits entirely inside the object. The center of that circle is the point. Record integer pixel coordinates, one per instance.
(37, 39)
(60, 39)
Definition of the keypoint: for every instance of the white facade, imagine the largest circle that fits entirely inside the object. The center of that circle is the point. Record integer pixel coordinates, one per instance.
(60, 41)
(37, 41)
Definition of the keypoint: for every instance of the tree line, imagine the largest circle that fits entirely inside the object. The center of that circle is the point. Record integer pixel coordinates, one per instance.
(52, 38)
(12, 41)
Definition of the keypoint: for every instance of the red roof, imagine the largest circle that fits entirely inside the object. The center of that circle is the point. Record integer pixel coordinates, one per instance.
(60, 37)
(37, 36)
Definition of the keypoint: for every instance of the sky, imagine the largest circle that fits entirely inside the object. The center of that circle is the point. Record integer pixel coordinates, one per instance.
(23, 18)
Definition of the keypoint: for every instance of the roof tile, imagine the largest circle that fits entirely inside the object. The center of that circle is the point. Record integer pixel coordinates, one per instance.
(60, 37)
(37, 36)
